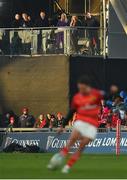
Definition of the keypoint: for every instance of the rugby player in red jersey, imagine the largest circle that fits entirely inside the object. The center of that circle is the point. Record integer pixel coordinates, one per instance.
(86, 103)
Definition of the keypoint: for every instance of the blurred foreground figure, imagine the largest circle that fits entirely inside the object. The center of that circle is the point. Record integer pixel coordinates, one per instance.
(86, 104)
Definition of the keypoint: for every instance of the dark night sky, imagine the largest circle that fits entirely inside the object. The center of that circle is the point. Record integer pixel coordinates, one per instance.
(30, 6)
(9, 7)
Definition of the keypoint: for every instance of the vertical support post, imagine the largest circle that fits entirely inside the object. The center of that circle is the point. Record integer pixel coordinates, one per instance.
(67, 7)
(85, 15)
(118, 136)
(85, 7)
(104, 31)
(89, 5)
(67, 41)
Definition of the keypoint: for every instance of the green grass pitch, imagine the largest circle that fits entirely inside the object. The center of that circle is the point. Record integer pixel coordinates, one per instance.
(18, 165)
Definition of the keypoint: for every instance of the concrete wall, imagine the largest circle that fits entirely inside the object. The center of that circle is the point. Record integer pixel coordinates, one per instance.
(39, 83)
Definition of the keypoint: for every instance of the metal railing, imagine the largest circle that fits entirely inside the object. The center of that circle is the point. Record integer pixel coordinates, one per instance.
(100, 130)
(52, 40)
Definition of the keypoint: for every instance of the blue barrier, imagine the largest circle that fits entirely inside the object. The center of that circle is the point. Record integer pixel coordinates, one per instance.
(52, 142)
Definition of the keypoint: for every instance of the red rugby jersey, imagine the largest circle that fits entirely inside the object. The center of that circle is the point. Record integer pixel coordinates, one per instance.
(88, 106)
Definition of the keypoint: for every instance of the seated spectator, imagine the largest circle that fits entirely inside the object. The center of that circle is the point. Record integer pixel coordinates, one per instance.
(53, 122)
(118, 104)
(42, 21)
(48, 117)
(59, 119)
(12, 121)
(17, 22)
(119, 108)
(114, 119)
(25, 21)
(26, 120)
(6, 118)
(123, 94)
(104, 117)
(41, 122)
(114, 92)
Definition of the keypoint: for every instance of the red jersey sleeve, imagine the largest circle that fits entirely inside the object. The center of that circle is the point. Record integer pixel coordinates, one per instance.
(99, 96)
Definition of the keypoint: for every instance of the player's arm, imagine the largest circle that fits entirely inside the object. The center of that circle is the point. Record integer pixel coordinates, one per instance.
(68, 117)
(71, 112)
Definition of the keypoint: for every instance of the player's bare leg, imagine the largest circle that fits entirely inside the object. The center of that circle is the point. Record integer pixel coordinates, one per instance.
(75, 135)
(76, 156)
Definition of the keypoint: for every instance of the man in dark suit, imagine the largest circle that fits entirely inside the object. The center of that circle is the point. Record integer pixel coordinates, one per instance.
(42, 36)
(93, 26)
(17, 21)
(43, 20)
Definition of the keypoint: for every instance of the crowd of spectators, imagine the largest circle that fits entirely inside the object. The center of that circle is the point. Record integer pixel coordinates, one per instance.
(26, 120)
(114, 107)
(25, 20)
(45, 36)
(57, 37)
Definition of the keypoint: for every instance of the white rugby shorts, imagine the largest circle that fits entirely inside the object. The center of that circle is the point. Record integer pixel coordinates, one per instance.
(85, 129)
